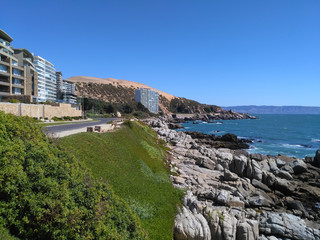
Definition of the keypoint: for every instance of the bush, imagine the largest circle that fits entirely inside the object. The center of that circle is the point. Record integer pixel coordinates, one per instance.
(45, 193)
(14, 101)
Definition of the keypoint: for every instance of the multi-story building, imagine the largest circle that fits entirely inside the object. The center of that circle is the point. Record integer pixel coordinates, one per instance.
(47, 83)
(148, 98)
(25, 60)
(17, 73)
(65, 90)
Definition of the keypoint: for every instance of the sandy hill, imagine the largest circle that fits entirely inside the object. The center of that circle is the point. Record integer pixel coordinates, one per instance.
(116, 82)
(112, 90)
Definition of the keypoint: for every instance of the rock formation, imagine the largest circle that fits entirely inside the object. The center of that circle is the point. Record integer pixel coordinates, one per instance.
(233, 195)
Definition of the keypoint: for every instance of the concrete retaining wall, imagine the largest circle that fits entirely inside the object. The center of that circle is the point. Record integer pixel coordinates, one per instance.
(40, 110)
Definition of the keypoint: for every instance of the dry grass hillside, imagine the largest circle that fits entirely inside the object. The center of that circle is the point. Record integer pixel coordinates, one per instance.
(122, 91)
(114, 90)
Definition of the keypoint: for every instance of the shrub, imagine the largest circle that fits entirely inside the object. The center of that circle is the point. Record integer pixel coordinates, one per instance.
(14, 101)
(45, 193)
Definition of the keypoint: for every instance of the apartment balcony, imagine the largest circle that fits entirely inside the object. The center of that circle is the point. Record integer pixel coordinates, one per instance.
(18, 76)
(4, 90)
(3, 73)
(18, 86)
(4, 83)
(18, 67)
(6, 54)
(6, 46)
(5, 60)
(29, 62)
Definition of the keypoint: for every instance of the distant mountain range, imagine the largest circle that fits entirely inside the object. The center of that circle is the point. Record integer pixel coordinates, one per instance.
(252, 109)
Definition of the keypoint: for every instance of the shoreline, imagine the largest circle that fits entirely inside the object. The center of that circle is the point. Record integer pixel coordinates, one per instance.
(232, 194)
(294, 136)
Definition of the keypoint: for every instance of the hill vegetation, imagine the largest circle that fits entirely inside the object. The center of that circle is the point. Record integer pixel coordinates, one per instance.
(131, 160)
(46, 193)
(122, 98)
(95, 106)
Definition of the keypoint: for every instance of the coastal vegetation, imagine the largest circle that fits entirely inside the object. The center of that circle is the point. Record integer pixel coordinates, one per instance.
(96, 108)
(131, 160)
(108, 98)
(47, 193)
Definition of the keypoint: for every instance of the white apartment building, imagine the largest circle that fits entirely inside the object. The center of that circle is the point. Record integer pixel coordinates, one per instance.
(47, 82)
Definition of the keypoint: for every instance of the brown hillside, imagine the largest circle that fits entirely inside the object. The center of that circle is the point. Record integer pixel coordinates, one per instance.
(117, 91)
(117, 82)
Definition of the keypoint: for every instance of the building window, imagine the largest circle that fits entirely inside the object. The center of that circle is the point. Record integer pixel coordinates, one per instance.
(17, 91)
(3, 68)
(16, 72)
(17, 81)
(14, 63)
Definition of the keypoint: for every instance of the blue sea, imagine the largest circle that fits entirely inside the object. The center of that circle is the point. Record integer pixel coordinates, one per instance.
(291, 135)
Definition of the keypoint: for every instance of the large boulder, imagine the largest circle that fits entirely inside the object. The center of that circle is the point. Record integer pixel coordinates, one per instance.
(189, 226)
(316, 161)
(286, 226)
(261, 199)
(239, 165)
(248, 230)
(298, 166)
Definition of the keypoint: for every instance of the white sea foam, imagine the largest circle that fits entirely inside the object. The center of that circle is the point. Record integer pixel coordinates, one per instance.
(315, 140)
(292, 145)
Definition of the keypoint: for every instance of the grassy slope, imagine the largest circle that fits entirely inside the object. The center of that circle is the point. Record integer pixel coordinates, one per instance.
(132, 162)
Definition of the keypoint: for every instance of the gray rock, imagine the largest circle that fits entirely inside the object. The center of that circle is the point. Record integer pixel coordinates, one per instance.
(235, 202)
(257, 172)
(257, 157)
(273, 164)
(316, 161)
(229, 176)
(190, 226)
(298, 166)
(219, 167)
(260, 185)
(265, 165)
(287, 168)
(261, 199)
(226, 156)
(239, 165)
(248, 230)
(297, 205)
(280, 163)
(223, 197)
(285, 186)
(284, 175)
(285, 225)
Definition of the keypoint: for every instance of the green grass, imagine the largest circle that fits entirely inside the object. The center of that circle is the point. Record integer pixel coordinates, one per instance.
(131, 160)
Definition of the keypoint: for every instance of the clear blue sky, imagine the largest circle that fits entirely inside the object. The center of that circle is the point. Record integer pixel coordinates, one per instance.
(233, 52)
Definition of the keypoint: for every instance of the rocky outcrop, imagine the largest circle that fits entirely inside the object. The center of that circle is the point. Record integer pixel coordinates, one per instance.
(209, 117)
(239, 196)
(228, 140)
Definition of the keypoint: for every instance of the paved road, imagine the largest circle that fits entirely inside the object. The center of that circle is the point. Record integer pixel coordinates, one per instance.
(74, 126)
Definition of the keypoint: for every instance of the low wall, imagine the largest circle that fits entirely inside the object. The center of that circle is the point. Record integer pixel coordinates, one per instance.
(40, 110)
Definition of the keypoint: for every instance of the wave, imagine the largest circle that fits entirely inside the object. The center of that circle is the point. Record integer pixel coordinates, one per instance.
(315, 140)
(296, 145)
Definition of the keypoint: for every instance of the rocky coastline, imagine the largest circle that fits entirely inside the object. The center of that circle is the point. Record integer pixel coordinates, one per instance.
(220, 115)
(234, 195)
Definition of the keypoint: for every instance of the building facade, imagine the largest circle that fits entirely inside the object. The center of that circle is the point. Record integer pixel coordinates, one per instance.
(18, 76)
(65, 90)
(148, 98)
(47, 82)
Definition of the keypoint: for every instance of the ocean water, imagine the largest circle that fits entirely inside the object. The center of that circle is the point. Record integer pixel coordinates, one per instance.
(291, 135)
